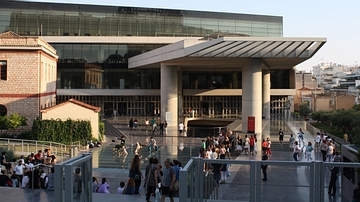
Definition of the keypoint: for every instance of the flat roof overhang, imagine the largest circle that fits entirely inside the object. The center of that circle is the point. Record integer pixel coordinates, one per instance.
(230, 52)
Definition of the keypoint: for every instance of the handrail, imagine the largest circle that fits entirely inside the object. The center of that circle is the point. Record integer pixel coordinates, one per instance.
(192, 175)
(25, 145)
(32, 173)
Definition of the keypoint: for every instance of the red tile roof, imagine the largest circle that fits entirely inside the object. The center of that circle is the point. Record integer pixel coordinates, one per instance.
(77, 102)
(304, 88)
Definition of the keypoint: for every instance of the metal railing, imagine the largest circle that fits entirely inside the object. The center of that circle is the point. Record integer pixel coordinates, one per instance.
(192, 178)
(66, 174)
(38, 166)
(28, 146)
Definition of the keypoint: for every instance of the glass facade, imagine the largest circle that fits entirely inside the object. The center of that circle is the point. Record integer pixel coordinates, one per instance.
(104, 66)
(52, 19)
(97, 65)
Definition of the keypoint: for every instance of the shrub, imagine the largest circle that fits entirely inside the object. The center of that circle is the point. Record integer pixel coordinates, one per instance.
(25, 135)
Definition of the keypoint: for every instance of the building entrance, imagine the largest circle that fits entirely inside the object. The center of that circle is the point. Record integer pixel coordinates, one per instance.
(205, 108)
(122, 108)
(108, 109)
(150, 108)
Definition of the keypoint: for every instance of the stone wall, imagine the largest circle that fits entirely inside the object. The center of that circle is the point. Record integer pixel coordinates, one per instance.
(31, 75)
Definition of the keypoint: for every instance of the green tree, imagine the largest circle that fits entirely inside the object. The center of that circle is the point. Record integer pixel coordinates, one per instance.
(304, 109)
(317, 116)
(12, 121)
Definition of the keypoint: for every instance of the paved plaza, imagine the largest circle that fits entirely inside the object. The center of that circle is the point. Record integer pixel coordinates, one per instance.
(284, 183)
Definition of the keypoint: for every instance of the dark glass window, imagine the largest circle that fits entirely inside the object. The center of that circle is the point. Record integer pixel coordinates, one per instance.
(280, 79)
(103, 66)
(3, 70)
(211, 80)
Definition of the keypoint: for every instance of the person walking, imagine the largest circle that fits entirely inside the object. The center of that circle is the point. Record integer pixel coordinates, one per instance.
(330, 152)
(333, 178)
(181, 128)
(146, 123)
(297, 150)
(264, 167)
(291, 142)
(168, 180)
(264, 146)
(131, 124)
(281, 136)
(152, 181)
(135, 173)
(268, 151)
(162, 127)
(323, 149)
(317, 142)
(308, 151)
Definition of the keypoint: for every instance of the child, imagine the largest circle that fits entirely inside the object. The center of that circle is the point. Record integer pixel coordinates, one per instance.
(308, 151)
(291, 142)
(121, 188)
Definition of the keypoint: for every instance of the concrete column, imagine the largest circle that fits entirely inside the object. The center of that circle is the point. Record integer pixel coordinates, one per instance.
(169, 96)
(266, 94)
(252, 94)
(292, 79)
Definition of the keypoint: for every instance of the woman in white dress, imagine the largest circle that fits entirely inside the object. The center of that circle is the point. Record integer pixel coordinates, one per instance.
(246, 145)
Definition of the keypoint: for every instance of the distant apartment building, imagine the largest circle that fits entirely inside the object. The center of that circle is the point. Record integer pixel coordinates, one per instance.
(332, 101)
(306, 85)
(28, 67)
(328, 75)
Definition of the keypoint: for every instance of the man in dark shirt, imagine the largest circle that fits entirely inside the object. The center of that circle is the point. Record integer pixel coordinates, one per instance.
(264, 167)
(332, 185)
(4, 162)
(4, 179)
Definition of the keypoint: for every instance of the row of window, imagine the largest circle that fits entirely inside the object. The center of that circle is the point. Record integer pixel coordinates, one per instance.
(77, 76)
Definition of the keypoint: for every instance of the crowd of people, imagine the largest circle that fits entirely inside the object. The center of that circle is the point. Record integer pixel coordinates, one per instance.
(323, 143)
(133, 124)
(159, 180)
(20, 173)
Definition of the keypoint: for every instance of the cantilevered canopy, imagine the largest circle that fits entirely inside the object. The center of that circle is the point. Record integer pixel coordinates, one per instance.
(230, 52)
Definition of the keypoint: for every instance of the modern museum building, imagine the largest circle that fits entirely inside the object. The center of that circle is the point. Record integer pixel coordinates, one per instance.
(147, 61)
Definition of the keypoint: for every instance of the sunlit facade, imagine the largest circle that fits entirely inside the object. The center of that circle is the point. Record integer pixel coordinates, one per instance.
(94, 44)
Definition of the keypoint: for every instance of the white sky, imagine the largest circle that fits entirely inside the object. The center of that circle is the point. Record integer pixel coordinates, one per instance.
(338, 21)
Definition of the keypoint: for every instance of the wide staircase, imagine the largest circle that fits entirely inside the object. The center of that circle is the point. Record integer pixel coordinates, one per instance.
(110, 159)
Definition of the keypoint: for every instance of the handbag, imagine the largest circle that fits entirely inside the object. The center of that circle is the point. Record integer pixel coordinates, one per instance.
(176, 185)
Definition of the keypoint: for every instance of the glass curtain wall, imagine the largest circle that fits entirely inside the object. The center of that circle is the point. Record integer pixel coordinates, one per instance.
(53, 19)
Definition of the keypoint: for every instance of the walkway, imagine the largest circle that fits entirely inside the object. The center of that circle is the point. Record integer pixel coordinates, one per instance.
(236, 187)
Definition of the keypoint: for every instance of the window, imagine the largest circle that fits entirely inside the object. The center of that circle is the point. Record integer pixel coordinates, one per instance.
(3, 70)
(3, 110)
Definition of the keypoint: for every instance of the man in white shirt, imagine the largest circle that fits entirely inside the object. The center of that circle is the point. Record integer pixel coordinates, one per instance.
(317, 142)
(30, 166)
(19, 172)
(181, 127)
